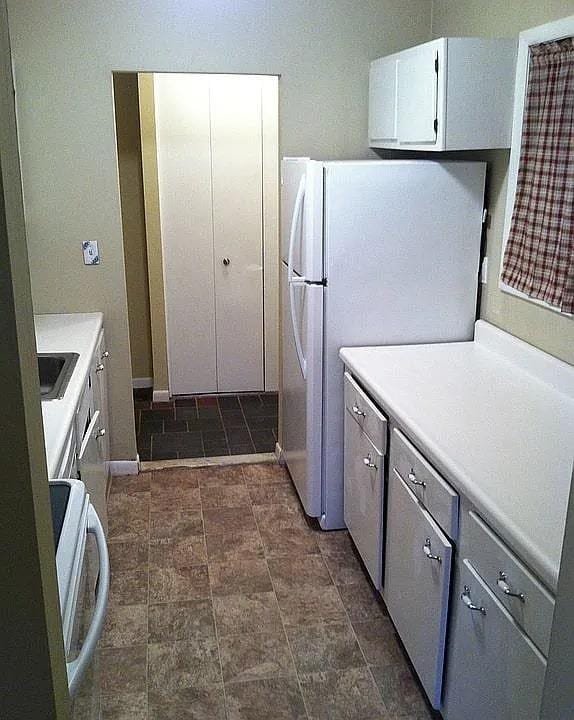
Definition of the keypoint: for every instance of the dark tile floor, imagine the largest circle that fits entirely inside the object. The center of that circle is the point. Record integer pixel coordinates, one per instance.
(226, 603)
(205, 425)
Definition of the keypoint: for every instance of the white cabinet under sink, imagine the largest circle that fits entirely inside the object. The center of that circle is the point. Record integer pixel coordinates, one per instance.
(447, 94)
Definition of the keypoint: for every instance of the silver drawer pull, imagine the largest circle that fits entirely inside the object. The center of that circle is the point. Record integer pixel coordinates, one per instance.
(506, 589)
(428, 552)
(368, 462)
(100, 433)
(100, 367)
(413, 479)
(358, 412)
(105, 355)
(465, 597)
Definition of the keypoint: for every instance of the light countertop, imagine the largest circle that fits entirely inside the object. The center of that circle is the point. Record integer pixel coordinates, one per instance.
(77, 332)
(496, 417)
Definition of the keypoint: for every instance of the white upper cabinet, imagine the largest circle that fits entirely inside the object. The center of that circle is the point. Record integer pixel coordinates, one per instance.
(448, 94)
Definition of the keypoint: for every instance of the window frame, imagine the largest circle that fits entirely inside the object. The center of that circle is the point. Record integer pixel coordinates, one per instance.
(557, 30)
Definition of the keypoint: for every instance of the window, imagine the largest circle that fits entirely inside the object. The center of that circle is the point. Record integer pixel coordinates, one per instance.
(538, 258)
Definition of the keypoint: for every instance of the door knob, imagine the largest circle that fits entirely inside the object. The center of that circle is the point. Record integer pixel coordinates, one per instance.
(226, 261)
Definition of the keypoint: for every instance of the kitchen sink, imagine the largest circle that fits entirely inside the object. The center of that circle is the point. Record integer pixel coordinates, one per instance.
(55, 371)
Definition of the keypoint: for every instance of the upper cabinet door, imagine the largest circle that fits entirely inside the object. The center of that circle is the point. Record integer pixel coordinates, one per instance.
(417, 94)
(383, 100)
(448, 94)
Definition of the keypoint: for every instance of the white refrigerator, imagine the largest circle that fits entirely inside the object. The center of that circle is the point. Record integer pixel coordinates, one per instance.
(381, 252)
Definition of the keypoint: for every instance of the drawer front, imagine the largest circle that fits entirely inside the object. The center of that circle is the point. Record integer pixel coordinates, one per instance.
(366, 414)
(84, 412)
(363, 497)
(494, 672)
(435, 494)
(533, 609)
(417, 582)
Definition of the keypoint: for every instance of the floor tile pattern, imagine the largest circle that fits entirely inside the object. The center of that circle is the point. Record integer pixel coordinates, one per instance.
(205, 425)
(227, 603)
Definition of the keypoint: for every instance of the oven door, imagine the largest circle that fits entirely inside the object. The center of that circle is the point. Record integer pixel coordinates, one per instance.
(89, 616)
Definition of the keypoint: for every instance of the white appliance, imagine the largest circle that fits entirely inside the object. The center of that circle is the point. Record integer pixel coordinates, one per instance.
(83, 570)
(382, 252)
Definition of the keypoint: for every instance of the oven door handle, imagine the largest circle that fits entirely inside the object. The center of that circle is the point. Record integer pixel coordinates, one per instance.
(77, 667)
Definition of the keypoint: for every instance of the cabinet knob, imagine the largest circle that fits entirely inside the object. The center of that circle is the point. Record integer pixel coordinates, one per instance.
(226, 261)
(105, 355)
(465, 597)
(368, 462)
(506, 589)
(358, 412)
(100, 367)
(101, 432)
(413, 479)
(428, 551)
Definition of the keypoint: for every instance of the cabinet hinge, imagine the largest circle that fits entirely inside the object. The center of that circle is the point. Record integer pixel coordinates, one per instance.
(436, 125)
(436, 64)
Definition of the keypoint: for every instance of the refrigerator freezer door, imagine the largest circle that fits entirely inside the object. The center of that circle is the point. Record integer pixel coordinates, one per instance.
(302, 217)
(302, 393)
(402, 244)
(293, 171)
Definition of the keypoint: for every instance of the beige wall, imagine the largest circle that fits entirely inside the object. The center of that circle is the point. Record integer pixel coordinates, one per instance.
(64, 55)
(133, 221)
(548, 330)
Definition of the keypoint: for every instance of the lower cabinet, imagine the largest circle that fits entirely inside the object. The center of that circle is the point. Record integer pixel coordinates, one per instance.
(93, 469)
(494, 670)
(363, 499)
(417, 582)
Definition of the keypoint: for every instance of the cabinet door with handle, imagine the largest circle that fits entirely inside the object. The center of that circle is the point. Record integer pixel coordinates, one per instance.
(417, 582)
(100, 393)
(363, 497)
(92, 467)
(494, 671)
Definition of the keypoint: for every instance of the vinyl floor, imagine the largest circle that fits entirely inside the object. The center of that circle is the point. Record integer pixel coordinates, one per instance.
(227, 603)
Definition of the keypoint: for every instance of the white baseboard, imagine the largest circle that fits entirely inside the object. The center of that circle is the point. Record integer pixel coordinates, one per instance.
(125, 467)
(146, 382)
(161, 395)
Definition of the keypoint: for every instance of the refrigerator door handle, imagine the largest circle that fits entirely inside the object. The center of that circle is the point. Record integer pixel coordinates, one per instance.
(293, 280)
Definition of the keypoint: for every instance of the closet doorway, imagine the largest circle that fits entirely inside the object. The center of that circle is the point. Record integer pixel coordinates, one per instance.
(211, 146)
(198, 158)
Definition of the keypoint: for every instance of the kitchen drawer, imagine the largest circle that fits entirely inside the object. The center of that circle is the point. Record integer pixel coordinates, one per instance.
(494, 671)
(417, 583)
(366, 414)
(84, 412)
(363, 497)
(533, 610)
(435, 494)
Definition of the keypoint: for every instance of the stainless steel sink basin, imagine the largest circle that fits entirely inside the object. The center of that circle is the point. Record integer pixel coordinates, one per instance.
(55, 371)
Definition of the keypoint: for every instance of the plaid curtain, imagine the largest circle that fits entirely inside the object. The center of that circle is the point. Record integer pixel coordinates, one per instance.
(539, 255)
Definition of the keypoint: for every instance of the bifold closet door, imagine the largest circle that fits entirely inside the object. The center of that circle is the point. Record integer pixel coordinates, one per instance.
(237, 177)
(184, 177)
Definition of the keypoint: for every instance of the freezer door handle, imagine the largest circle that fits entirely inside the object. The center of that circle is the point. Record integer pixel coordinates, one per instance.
(293, 280)
(77, 667)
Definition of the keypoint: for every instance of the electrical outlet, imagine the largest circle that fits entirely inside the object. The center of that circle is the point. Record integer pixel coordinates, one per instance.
(91, 254)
